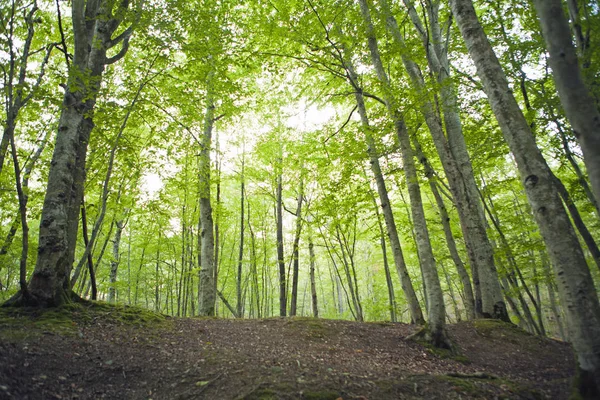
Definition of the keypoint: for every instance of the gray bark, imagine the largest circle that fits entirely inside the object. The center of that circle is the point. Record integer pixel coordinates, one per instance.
(436, 309)
(206, 286)
(296, 249)
(94, 23)
(576, 288)
(455, 160)
(469, 300)
(575, 97)
(114, 263)
(313, 286)
(409, 292)
(280, 255)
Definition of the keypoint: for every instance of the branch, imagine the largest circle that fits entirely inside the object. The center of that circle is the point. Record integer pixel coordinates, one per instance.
(126, 34)
(372, 96)
(62, 35)
(343, 125)
(38, 81)
(120, 54)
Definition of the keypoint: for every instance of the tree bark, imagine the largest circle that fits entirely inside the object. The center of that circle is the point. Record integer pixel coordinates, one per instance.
(114, 264)
(436, 308)
(575, 97)
(572, 274)
(94, 23)
(280, 255)
(405, 282)
(313, 286)
(206, 285)
(456, 161)
(296, 249)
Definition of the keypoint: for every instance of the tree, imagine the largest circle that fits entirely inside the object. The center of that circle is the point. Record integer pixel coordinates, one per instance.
(94, 22)
(576, 99)
(572, 274)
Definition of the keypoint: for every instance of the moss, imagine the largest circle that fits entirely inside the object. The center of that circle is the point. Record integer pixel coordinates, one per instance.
(262, 394)
(443, 353)
(321, 395)
(314, 328)
(481, 386)
(23, 322)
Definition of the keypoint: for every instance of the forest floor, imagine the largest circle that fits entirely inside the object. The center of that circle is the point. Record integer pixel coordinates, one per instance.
(105, 352)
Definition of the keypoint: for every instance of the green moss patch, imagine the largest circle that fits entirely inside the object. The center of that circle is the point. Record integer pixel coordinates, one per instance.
(23, 322)
(313, 328)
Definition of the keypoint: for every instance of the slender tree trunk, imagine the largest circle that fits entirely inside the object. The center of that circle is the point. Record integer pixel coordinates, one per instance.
(436, 308)
(386, 267)
(572, 274)
(469, 300)
(489, 301)
(90, 262)
(296, 249)
(206, 285)
(280, 255)
(238, 283)
(313, 286)
(114, 264)
(407, 287)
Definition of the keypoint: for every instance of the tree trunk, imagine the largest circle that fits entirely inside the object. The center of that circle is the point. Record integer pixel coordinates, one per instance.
(114, 264)
(238, 282)
(296, 249)
(436, 308)
(206, 285)
(469, 300)
(93, 22)
(386, 267)
(575, 97)
(313, 286)
(572, 274)
(280, 255)
(456, 162)
(405, 282)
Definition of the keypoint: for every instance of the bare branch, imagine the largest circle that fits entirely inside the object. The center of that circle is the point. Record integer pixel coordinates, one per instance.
(343, 125)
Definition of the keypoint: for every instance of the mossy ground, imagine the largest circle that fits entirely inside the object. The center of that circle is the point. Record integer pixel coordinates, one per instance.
(24, 322)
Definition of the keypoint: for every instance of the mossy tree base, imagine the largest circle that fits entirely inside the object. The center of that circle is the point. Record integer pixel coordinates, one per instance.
(25, 298)
(438, 339)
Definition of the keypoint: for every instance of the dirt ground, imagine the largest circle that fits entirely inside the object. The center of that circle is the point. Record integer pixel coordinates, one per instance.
(124, 353)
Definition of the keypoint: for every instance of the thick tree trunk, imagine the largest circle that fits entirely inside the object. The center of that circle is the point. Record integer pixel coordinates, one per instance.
(572, 274)
(435, 300)
(206, 285)
(575, 97)
(94, 23)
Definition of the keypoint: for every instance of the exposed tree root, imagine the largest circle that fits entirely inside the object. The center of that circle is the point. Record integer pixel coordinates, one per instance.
(27, 299)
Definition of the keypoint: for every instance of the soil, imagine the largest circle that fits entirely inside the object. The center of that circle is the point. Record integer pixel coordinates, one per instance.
(105, 352)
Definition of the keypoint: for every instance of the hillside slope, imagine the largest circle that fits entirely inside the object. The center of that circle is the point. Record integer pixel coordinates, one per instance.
(106, 352)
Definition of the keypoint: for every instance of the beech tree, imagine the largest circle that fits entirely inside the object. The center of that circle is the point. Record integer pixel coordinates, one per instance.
(95, 29)
(571, 271)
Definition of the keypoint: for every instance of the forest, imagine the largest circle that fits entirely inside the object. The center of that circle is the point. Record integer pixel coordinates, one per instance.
(421, 162)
